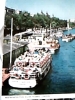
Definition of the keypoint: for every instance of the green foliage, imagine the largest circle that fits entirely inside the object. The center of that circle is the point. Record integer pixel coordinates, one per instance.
(72, 24)
(24, 20)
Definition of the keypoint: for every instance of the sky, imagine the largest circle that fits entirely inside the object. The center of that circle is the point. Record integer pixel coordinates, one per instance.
(62, 9)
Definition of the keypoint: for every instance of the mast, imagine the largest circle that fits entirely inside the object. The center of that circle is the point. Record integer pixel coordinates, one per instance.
(11, 43)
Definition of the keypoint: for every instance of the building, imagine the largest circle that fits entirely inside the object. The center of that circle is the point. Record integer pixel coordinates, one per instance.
(11, 11)
(72, 20)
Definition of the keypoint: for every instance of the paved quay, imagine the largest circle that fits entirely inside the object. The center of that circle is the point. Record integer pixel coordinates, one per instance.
(5, 75)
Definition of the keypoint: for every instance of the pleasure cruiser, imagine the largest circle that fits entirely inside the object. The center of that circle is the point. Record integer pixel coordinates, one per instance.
(29, 69)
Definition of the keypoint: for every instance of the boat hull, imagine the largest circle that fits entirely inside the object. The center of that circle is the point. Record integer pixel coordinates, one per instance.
(66, 40)
(20, 83)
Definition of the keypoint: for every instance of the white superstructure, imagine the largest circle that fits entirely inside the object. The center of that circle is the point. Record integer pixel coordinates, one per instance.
(29, 69)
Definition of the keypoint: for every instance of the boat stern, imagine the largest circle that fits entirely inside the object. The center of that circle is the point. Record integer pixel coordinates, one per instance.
(22, 83)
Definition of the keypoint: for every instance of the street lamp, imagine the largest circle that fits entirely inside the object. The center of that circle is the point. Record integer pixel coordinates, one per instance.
(11, 43)
(41, 29)
(50, 28)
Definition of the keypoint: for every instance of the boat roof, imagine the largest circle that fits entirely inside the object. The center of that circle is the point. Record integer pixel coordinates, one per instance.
(23, 33)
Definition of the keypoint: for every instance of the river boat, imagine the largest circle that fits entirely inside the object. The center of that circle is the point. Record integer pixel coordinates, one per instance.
(53, 43)
(67, 38)
(29, 69)
(49, 43)
(59, 33)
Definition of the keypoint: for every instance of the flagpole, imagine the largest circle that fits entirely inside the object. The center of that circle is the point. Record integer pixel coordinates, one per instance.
(11, 43)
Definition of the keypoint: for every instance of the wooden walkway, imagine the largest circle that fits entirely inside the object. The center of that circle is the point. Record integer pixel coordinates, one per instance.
(5, 76)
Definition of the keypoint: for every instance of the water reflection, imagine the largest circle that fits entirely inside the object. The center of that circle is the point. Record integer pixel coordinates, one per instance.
(20, 92)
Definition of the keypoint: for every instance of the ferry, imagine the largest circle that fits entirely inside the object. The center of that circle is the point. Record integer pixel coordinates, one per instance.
(50, 43)
(54, 45)
(30, 68)
(67, 38)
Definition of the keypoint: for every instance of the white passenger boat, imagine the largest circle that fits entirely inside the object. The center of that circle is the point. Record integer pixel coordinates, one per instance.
(54, 45)
(67, 38)
(29, 69)
(59, 33)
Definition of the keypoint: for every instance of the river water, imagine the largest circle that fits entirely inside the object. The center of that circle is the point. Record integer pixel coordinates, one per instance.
(61, 77)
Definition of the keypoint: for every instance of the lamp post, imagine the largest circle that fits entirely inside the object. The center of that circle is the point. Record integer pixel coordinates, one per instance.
(42, 33)
(11, 43)
(50, 28)
(51, 23)
(41, 29)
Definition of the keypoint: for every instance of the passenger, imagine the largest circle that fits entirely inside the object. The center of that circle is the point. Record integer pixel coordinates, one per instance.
(20, 58)
(15, 68)
(23, 63)
(19, 72)
(28, 62)
(22, 68)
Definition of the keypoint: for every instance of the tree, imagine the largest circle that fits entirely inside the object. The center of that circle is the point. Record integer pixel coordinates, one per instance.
(7, 21)
(24, 21)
